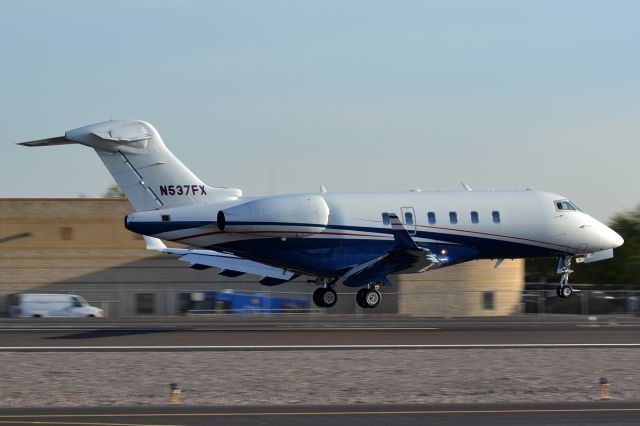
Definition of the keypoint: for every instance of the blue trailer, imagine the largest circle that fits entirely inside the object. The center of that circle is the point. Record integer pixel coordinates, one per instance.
(230, 302)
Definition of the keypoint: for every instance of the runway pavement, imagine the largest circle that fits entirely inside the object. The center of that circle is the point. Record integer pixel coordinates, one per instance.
(269, 333)
(584, 414)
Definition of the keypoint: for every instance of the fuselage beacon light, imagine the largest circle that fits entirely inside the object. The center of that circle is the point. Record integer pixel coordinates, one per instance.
(358, 239)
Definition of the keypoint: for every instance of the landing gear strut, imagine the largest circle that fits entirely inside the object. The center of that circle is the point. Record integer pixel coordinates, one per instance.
(564, 269)
(368, 297)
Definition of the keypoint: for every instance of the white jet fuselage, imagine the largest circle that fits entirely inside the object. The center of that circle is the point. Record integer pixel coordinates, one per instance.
(326, 233)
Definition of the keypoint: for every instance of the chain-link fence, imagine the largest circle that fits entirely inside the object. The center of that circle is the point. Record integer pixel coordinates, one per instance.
(582, 302)
(436, 304)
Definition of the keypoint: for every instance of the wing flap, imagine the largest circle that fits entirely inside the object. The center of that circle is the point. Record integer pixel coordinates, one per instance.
(236, 264)
(222, 261)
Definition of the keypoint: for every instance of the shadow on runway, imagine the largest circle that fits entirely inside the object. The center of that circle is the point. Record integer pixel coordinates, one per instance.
(102, 334)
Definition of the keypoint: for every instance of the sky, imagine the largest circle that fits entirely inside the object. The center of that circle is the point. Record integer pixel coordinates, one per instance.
(283, 96)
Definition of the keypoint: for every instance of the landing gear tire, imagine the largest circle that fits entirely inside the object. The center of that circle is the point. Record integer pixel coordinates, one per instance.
(565, 291)
(329, 297)
(360, 298)
(325, 297)
(372, 298)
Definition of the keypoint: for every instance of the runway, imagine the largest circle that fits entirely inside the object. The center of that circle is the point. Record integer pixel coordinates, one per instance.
(324, 360)
(584, 414)
(220, 334)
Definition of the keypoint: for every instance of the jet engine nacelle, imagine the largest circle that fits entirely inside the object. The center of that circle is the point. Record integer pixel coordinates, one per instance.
(284, 216)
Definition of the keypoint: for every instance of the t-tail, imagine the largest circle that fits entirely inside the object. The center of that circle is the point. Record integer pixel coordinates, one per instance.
(149, 174)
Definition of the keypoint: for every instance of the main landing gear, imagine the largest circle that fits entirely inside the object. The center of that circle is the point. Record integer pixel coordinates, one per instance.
(368, 297)
(326, 296)
(564, 269)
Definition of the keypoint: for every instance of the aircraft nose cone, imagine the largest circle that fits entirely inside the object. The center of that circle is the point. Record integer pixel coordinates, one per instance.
(609, 239)
(615, 239)
(604, 238)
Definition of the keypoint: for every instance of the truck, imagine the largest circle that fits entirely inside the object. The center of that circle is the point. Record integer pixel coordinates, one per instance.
(51, 305)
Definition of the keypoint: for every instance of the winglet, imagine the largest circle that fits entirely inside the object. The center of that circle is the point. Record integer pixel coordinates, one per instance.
(465, 186)
(401, 235)
(154, 244)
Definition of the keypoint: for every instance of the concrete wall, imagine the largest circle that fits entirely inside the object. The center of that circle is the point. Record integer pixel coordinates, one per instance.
(470, 289)
(80, 245)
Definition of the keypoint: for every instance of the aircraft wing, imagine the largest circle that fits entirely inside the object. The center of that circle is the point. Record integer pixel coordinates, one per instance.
(405, 257)
(229, 265)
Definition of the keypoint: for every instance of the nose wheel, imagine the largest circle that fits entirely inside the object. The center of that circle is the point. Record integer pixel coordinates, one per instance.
(564, 269)
(564, 291)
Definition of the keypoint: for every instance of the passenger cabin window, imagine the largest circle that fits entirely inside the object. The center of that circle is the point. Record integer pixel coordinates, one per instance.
(496, 216)
(408, 218)
(474, 217)
(453, 218)
(385, 219)
(566, 205)
(166, 218)
(431, 217)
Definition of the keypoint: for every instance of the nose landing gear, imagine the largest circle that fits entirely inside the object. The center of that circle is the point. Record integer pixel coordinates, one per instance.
(564, 269)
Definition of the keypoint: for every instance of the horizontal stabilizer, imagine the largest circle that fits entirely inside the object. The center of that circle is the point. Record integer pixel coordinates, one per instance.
(59, 140)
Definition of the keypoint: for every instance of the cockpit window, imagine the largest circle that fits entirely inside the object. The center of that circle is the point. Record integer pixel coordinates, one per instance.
(566, 205)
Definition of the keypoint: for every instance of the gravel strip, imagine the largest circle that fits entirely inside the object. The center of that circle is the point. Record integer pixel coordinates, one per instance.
(316, 377)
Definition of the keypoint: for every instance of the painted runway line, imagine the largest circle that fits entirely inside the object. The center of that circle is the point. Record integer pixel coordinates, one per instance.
(314, 347)
(169, 329)
(324, 413)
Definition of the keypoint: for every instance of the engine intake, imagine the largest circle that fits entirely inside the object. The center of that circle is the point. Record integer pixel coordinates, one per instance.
(221, 221)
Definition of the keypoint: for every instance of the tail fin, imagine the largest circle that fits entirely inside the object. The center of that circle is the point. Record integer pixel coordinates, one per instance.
(148, 173)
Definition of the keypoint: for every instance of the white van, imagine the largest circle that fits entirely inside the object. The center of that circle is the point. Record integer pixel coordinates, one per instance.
(51, 305)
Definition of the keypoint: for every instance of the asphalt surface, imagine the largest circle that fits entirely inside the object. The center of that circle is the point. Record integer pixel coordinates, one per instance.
(584, 414)
(299, 333)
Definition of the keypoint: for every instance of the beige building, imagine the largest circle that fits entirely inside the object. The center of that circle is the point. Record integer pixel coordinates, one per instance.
(80, 246)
